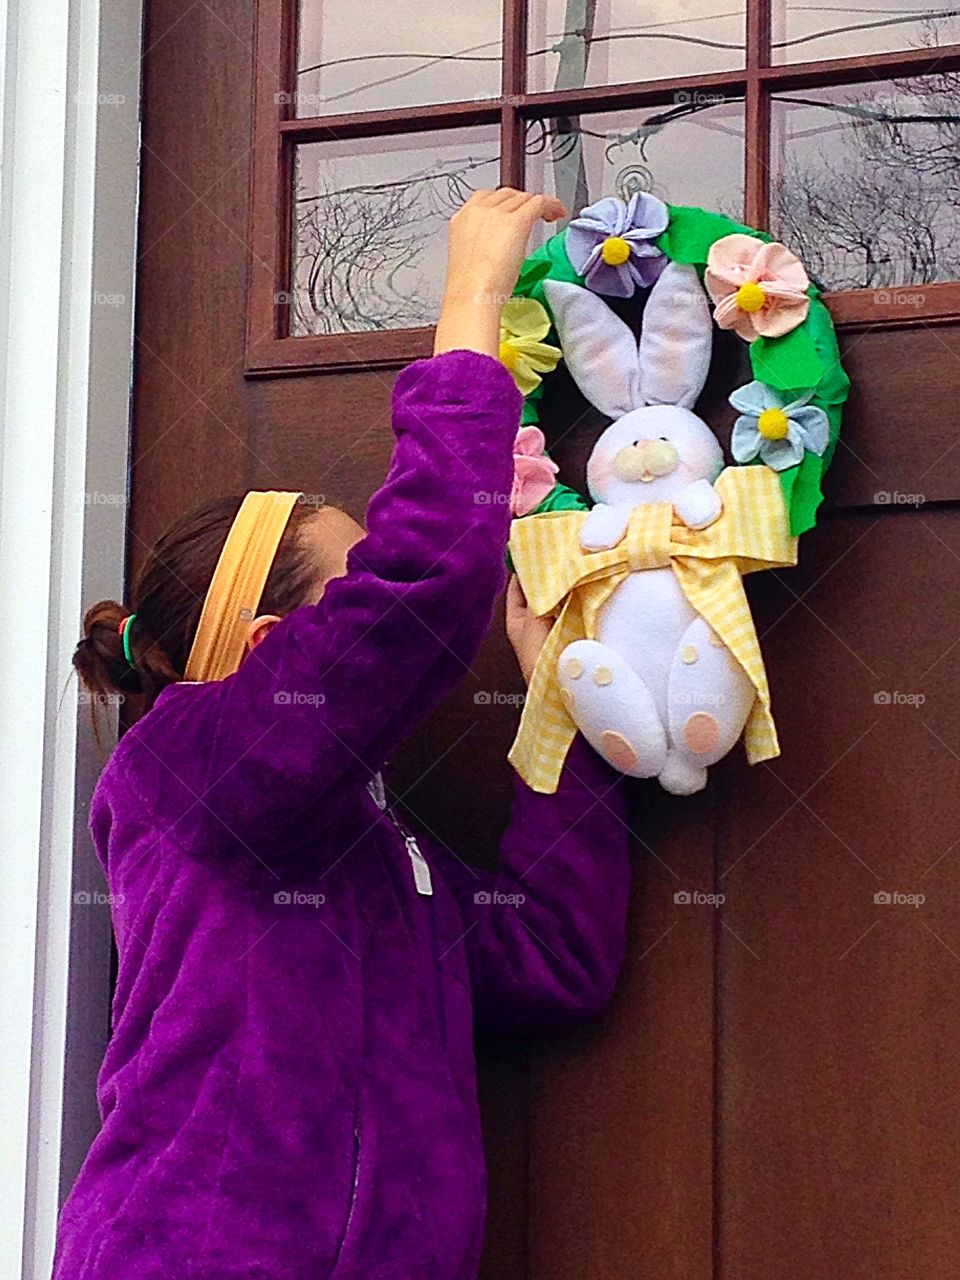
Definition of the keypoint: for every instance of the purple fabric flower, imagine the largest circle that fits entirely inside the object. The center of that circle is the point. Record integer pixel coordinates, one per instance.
(610, 244)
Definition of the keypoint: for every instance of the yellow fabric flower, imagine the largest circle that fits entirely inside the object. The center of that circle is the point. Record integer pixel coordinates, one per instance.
(524, 324)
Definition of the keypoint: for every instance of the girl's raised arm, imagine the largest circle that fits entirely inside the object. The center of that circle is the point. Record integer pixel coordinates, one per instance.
(258, 758)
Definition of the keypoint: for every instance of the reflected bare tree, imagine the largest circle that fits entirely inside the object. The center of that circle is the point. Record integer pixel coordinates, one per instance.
(358, 251)
(880, 204)
(350, 247)
(856, 225)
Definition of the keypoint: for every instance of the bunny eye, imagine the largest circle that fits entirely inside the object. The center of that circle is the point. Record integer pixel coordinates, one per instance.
(664, 439)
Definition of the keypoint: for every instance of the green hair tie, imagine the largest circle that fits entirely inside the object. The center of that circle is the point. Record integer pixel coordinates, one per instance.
(125, 634)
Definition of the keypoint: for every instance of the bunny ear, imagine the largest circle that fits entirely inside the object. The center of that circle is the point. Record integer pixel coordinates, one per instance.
(676, 339)
(599, 349)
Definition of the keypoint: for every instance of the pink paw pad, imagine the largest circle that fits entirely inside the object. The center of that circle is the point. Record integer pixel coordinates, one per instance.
(701, 733)
(618, 750)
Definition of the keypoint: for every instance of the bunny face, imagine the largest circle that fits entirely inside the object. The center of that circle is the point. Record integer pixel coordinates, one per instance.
(656, 446)
(651, 455)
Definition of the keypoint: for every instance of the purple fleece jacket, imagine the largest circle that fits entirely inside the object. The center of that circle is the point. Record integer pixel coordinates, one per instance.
(290, 1089)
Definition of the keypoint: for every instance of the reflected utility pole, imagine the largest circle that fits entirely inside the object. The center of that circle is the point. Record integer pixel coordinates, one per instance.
(570, 175)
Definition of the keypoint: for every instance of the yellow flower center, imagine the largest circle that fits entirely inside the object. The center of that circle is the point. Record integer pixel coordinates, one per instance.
(508, 355)
(615, 251)
(773, 424)
(750, 297)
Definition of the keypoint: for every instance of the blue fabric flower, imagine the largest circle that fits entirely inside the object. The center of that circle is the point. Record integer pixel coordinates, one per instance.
(778, 432)
(610, 244)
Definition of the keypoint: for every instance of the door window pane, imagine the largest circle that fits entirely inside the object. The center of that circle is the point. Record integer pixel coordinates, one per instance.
(689, 153)
(807, 32)
(370, 58)
(866, 181)
(369, 234)
(574, 43)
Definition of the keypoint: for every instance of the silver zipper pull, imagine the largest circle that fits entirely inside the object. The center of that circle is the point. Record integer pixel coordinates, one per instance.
(421, 871)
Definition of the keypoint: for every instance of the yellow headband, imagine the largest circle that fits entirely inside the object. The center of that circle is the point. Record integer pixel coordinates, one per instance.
(233, 596)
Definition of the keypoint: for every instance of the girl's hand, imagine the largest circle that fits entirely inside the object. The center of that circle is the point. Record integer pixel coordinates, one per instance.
(487, 244)
(525, 631)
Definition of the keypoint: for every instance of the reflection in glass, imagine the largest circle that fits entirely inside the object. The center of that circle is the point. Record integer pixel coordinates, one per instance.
(349, 60)
(369, 234)
(574, 43)
(690, 153)
(807, 32)
(866, 181)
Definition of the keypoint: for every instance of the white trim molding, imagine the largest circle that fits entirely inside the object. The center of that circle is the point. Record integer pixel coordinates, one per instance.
(69, 114)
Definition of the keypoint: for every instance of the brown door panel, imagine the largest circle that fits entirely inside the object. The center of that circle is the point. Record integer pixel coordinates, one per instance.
(839, 1137)
(771, 1093)
(621, 1119)
(901, 430)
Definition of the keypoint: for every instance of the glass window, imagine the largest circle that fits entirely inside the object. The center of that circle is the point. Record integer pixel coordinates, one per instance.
(573, 43)
(369, 226)
(866, 181)
(806, 32)
(348, 61)
(862, 180)
(690, 153)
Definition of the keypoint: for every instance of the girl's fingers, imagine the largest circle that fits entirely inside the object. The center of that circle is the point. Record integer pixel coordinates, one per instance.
(549, 208)
(533, 206)
(516, 601)
(517, 199)
(504, 195)
(510, 200)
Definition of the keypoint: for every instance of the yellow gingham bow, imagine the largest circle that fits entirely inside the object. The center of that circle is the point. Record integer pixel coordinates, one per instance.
(752, 533)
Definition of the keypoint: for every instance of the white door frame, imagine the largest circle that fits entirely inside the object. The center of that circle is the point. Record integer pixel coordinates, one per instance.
(69, 115)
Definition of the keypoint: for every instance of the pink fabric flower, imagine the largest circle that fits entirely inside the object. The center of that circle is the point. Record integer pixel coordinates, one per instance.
(534, 475)
(759, 289)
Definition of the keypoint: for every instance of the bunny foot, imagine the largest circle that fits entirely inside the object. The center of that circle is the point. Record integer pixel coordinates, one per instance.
(612, 708)
(709, 696)
(680, 776)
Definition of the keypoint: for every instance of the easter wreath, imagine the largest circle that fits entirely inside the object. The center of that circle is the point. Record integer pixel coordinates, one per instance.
(653, 655)
(790, 415)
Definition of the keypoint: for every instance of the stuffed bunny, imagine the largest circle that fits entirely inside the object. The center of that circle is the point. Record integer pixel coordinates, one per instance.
(656, 693)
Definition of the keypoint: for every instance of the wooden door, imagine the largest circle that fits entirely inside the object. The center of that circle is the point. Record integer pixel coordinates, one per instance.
(770, 1093)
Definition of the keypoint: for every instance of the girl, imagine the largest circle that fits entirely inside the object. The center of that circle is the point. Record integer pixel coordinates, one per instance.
(289, 1092)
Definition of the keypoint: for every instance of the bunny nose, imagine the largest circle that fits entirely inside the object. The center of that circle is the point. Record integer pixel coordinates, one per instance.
(646, 460)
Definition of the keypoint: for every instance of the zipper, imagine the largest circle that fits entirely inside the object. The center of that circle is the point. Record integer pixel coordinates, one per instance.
(424, 886)
(421, 871)
(354, 1193)
(422, 879)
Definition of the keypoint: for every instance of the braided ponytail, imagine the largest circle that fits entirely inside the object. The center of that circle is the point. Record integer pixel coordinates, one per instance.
(101, 662)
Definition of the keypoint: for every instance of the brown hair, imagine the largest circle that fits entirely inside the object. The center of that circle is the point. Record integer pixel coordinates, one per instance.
(168, 598)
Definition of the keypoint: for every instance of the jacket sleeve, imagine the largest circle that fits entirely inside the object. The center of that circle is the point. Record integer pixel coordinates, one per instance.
(545, 934)
(259, 757)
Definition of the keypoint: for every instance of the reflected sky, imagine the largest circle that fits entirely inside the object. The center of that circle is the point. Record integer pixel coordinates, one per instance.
(434, 53)
(631, 41)
(397, 55)
(807, 32)
(690, 153)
